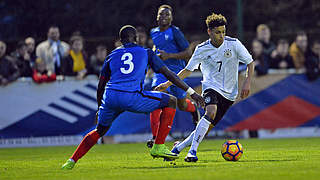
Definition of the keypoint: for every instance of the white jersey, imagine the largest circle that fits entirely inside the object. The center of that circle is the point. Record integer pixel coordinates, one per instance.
(219, 66)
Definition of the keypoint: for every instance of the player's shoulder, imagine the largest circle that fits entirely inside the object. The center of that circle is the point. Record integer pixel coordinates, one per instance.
(155, 29)
(175, 28)
(230, 39)
(203, 45)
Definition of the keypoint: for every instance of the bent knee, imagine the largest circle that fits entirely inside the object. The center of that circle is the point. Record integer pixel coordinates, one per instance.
(172, 102)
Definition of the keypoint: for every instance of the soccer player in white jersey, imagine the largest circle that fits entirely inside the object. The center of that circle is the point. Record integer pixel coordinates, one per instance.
(219, 59)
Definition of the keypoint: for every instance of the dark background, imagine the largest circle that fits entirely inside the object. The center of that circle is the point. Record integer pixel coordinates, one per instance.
(100, 20)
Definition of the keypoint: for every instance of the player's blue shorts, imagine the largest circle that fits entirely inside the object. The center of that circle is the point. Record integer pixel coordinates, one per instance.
(115, 102)
(174, 90)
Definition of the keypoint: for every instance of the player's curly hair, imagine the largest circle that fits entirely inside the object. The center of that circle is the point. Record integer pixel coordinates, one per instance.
(215, 20)
(165, 6)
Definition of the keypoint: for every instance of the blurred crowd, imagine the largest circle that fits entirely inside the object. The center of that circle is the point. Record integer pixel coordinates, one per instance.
(301, 55)
(55, 59)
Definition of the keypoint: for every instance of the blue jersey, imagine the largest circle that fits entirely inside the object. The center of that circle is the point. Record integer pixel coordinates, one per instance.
(127, 65)
(171, 40)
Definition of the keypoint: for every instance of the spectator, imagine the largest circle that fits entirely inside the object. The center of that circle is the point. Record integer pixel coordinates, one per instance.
(22, 59)
(260, 58)
(264, 36)
(280, 58)
(142, 36)
(31, 49)
(8, 70)
(52, 51)
(117, 43)
(40, 73)
(75, 64)
(298, 50)
(312, 62)
(97, 60)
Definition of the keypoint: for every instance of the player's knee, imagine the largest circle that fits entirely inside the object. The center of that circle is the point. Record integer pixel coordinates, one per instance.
(182, 105)
(172, 102)
(102, 130)
(211, 111)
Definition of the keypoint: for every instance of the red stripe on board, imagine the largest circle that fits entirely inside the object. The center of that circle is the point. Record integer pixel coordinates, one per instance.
(291, 112)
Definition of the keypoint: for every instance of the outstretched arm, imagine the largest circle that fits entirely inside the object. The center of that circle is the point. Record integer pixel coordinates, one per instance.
(171, 76)
(182, 75)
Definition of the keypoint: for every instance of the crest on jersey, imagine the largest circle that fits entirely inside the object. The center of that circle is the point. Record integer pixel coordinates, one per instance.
(227, 53)
(166, 36)
(207, 99)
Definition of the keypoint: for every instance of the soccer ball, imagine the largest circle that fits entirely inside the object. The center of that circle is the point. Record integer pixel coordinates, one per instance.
(231, 150)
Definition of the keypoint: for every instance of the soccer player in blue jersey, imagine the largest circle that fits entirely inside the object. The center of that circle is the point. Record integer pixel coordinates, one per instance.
(173, 48)
(120, 89)
(219, 59)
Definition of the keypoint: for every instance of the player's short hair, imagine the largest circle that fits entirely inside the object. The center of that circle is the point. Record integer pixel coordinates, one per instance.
(126, 32)
(215, 20)
(166, 6)
(262, 27)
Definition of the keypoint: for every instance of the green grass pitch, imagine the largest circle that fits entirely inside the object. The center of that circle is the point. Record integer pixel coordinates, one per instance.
(262, 159)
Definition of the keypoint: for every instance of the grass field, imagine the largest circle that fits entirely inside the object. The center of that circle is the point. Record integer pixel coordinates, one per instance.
(262, 159)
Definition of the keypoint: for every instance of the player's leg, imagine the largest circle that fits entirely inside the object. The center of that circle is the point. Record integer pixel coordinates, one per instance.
(155, 115)
(185, 104)
(148, 101)
(105, 119)
(166, 119)
(211, 101)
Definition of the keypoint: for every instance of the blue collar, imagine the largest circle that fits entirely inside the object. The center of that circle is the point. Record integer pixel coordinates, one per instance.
(128, 45)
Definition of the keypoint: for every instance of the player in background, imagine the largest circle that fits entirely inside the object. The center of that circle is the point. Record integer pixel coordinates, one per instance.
(173, 48)
(120, 89)
(219, 59)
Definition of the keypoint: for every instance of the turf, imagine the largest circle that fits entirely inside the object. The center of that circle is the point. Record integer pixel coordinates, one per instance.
(262, 159)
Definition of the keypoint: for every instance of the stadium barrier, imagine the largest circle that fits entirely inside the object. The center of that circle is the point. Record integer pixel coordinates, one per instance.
(63, 111)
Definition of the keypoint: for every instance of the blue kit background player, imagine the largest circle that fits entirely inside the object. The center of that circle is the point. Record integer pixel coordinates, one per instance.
(120, 89)
(172, 47)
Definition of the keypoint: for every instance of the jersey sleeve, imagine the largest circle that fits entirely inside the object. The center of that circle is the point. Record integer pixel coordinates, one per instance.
(105, 70)
(243, 55)
(195, 60)
(154, 61)
(181, 41)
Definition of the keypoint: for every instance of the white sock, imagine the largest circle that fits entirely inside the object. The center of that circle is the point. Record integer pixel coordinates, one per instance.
(199, 134)
(186, 142)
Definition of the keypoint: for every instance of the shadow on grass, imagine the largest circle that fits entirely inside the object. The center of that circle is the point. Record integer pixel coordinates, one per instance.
(268, 160)
(168, 166)
(250, 160)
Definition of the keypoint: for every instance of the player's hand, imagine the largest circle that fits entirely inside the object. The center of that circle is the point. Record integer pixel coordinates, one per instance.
(199, 99)
(245, 89)
(163, 55)
(162, 87)
(97, 114)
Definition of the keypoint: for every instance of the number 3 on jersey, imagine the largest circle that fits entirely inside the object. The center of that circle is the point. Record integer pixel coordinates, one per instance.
(127, 59)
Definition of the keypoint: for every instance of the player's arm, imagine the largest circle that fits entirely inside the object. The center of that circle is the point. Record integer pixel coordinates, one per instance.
(247, 83)
(172, 77)
(103, 79)
(181, 55)
(159, 67)
(184, 73)
(182, 44)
